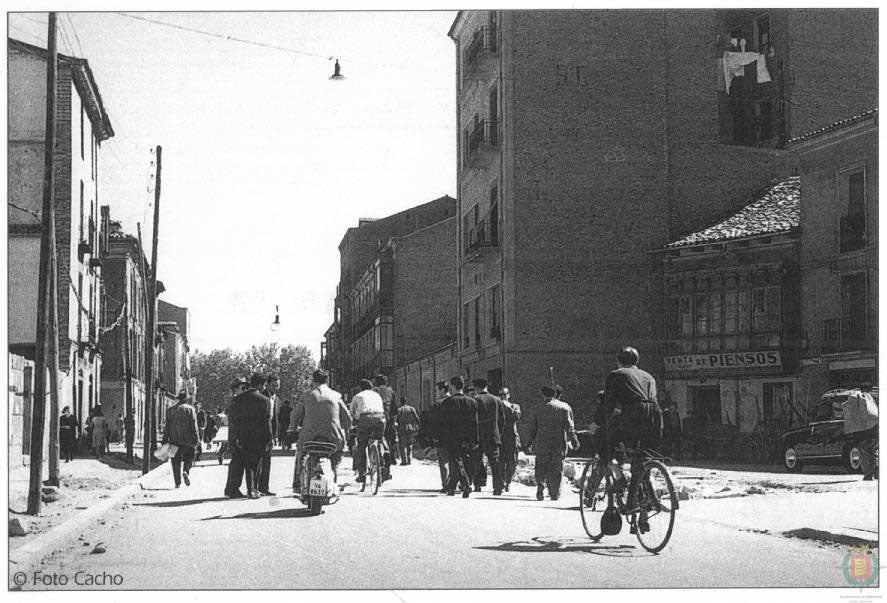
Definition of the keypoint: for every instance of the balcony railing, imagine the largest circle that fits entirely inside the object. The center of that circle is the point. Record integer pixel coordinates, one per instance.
(483, 137)
(846, 334)
(484, 42)
(483, 235)
(852, 232)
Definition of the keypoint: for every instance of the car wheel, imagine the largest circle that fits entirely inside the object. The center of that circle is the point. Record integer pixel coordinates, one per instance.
(853, 459)
(790, 459)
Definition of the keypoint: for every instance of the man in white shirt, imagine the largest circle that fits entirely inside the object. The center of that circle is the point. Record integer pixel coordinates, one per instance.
(368, 411)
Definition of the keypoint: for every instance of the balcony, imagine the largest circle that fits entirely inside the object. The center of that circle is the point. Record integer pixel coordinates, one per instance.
(484, 44)
(482, 238)
(852, 232)
(482, 142)
(847, 334)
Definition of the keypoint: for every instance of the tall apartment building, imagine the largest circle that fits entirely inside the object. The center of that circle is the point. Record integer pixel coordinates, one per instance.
(124, 325)
(588, 138)
(838, 166)
(395, 300)
(82, 126)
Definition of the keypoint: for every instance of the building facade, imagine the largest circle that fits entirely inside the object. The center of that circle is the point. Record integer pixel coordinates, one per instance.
(124, 327)
(838, 166)
(395, 294)
(173, 367)
(731, 304)
(587, 138)
(82, 125)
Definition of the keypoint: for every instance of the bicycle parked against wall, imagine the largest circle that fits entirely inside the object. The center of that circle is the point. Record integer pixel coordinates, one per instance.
(602, 499)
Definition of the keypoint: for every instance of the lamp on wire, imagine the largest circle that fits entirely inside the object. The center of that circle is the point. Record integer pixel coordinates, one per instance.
(337, 72)
(275, 326)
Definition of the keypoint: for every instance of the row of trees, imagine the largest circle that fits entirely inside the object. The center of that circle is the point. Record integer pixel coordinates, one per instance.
(215, 370)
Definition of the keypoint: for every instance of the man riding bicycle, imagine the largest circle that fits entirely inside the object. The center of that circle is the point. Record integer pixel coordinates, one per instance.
(368, 411)
(629, 414)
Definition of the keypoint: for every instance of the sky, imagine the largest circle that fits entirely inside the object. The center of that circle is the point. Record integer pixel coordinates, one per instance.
(266, 161)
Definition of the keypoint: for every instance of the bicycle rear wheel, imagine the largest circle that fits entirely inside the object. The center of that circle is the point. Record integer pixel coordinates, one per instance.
(592, 499)
(658, 502)
(376, 461)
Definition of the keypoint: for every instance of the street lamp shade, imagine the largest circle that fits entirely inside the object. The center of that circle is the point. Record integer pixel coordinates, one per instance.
(276, 324)
(337, 72)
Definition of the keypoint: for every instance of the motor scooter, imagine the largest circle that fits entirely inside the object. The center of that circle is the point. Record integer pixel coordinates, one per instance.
(317, 480)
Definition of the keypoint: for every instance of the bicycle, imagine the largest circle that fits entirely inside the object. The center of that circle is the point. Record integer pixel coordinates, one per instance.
(652, 520)
(374, 460)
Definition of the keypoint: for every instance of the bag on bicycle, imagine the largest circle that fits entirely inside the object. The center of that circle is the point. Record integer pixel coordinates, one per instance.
(611, 521)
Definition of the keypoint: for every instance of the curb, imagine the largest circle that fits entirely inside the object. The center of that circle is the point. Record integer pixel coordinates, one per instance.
(32, 552)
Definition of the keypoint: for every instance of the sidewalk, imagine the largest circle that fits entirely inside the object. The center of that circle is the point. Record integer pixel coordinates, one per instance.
(84, 482)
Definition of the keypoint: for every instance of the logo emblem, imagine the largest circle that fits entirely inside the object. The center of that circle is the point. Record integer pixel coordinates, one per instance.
(860, 566)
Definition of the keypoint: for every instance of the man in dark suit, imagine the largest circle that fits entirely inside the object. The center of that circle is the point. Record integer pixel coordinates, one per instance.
(254, 435)
(458, 414)
(490, 424)
(272, 385)
(235, 467)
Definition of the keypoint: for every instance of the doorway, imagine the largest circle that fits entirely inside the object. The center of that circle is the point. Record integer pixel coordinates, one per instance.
(706, 401)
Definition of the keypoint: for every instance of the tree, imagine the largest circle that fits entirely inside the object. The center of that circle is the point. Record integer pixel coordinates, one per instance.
(215, 370)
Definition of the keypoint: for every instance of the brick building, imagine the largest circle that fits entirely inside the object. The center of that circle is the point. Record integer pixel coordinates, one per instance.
(124, 326)
(838, 165)
(394, 300)
(82, 125)
(587, 138)
(173, 367)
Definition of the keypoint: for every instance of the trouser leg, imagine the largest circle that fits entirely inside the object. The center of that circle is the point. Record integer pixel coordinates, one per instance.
(176, 461)
(476, 469)
(443, 461)
(251, 460)
(492, 452)
(187, 458)
(457, 476)
(235, 471)
(264, 474)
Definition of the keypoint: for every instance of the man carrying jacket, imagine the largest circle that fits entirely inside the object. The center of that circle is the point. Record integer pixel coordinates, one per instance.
(181, 430)
(552, 430)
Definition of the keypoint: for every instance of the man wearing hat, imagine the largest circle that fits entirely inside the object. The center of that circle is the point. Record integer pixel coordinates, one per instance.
(235, 467)
(551, 429)
(252, 431)
(181, 431)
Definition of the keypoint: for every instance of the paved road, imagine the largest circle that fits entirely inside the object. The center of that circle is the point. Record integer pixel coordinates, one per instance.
(411, 537)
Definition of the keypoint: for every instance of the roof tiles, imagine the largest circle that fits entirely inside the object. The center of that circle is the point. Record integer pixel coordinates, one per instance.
(776, 210)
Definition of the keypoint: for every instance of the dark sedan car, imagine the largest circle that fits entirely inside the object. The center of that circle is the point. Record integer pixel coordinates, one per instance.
(821, 442)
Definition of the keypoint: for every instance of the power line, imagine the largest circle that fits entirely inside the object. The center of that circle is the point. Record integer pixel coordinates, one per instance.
(74, 29)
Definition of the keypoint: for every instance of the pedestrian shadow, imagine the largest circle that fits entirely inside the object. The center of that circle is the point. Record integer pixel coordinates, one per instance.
(182, 503)
(278, 514)
(540, 545)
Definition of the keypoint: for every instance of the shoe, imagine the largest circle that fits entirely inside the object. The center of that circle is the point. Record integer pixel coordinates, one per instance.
(235, 494)
(254, 495)
(466, 493)
(267, 493)
(506, 487)
(555, 496)
(497, 492)
(868, 478)
(451, 493)
(178, 485)
(444, 491)
(186, 479)
(361, 479)
(393, 461)
(540, 494)
(477, 488)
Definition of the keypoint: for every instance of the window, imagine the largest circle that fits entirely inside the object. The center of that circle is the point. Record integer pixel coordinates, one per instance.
(494, 215)
(466, 324)
(853, 223)
(494, 304)
(477, 337)
(777, 401)
(81, 211)
(854, 304)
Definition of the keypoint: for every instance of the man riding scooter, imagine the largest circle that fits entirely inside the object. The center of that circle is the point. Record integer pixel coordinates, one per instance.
(323, 416)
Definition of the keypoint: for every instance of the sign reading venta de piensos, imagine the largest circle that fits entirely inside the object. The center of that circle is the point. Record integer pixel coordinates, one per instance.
(730, 360)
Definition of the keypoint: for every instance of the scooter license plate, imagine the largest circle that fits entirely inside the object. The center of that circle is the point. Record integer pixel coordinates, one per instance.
(317, 488)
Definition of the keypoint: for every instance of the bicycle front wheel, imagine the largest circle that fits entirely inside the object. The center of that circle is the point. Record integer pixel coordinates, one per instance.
(658, 503)
(375, 461)
(592, 499)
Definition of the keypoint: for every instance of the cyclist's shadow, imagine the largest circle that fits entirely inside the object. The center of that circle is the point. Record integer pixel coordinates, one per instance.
(538, 544)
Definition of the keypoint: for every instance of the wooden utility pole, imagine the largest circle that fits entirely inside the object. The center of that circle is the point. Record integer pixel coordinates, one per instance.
(44, 287)
(53, 359)
(152, 307)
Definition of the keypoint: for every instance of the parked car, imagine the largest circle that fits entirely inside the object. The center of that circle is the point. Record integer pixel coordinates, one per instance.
(821, 442)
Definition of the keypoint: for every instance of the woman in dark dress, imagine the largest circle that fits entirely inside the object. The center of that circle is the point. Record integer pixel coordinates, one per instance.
(67, 434)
